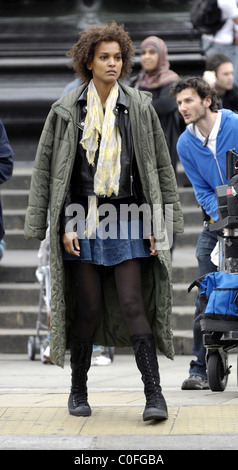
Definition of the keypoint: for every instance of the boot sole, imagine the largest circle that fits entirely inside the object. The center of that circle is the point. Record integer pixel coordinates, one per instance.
(80, 412)
(154, 413)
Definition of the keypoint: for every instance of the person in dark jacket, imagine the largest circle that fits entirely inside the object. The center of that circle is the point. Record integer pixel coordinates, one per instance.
(219, 74)
(156, 77)
(6, 168)
(101, 175)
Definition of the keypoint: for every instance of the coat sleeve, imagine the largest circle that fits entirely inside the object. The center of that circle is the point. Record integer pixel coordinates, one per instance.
(36, 216)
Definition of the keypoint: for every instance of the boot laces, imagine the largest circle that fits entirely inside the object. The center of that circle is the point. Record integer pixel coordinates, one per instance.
(78, 399)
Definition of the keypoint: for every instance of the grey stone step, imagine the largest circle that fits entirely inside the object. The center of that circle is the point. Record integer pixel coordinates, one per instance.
(189, 237)
(14, 198)
(182, 317)
(20, 258)
(192, 215)
(15, 240)
(14, 316)
(15, 341)
(184, 274)
(183, 342)
(187, 196)
(181, 295)
(25, 316)
(21, 176)
(14, 237)
(19, 274)
(19, 293)
(14, 218)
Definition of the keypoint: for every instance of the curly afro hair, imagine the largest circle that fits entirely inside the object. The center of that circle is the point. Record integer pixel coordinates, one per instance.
(83, 51)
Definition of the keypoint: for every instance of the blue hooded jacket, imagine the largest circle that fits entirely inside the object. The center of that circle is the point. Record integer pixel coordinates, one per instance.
(201, 166)
(6, 165)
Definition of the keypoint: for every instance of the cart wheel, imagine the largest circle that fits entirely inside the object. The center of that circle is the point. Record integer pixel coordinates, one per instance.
(31, 348)
(217, 377)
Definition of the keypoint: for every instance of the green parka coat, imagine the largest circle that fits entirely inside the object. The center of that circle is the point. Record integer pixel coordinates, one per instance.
(49, 185)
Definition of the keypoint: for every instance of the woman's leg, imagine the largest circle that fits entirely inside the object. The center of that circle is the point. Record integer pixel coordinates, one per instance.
(128, 281)
(85, 279)
(86, 283)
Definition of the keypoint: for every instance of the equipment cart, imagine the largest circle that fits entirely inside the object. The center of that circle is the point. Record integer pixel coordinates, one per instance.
(220, 328)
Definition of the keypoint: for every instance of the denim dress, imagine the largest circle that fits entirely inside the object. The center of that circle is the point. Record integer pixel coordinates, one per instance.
(119, 236)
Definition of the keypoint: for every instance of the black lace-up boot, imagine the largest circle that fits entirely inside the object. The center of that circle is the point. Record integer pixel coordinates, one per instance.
(146, 360)
(80, 360)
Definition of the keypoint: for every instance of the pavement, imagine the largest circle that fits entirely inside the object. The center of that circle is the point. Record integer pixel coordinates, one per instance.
(34, 414)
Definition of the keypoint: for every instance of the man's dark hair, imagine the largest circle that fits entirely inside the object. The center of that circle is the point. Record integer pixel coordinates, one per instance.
(83, 51)
(202, 88)
(214, 61)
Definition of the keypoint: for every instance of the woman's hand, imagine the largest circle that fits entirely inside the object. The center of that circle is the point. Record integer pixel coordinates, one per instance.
(153, 251)
(71, 243)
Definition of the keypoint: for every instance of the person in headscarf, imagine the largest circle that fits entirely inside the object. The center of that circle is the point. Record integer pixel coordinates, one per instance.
(156, 77)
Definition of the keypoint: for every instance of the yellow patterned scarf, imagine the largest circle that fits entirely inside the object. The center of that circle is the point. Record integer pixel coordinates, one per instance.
(107, 176)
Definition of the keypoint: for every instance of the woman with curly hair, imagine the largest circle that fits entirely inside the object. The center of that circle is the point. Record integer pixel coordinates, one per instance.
(102, 150)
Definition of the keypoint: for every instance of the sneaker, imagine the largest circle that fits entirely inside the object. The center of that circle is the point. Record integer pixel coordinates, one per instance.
(195, 382)
(101, 361)
(46, 355)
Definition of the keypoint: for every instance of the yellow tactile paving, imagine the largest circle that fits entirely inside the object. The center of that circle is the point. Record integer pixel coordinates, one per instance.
(39, 421)
(206, 420)
(117, 420)
(125, 421)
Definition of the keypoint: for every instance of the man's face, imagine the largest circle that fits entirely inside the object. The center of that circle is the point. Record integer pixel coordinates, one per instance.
(225, 76)
(191, 106)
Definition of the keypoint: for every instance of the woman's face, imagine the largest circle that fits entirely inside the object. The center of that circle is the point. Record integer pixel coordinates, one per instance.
(107, 63)
(149, 59)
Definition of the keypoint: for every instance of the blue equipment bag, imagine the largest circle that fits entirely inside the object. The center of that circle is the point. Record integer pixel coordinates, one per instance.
(219, 295)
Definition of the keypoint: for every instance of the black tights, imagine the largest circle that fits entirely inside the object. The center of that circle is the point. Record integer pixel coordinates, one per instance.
(87, 281)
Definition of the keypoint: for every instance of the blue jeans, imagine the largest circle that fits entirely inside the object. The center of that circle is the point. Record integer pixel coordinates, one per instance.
(206, 242)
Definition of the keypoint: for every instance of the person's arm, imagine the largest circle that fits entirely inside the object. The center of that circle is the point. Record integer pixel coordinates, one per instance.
(6, 168)
(204, 193)
(6, 155)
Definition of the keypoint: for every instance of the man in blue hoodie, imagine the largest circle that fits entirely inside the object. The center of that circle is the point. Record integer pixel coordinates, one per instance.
(202, 151)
